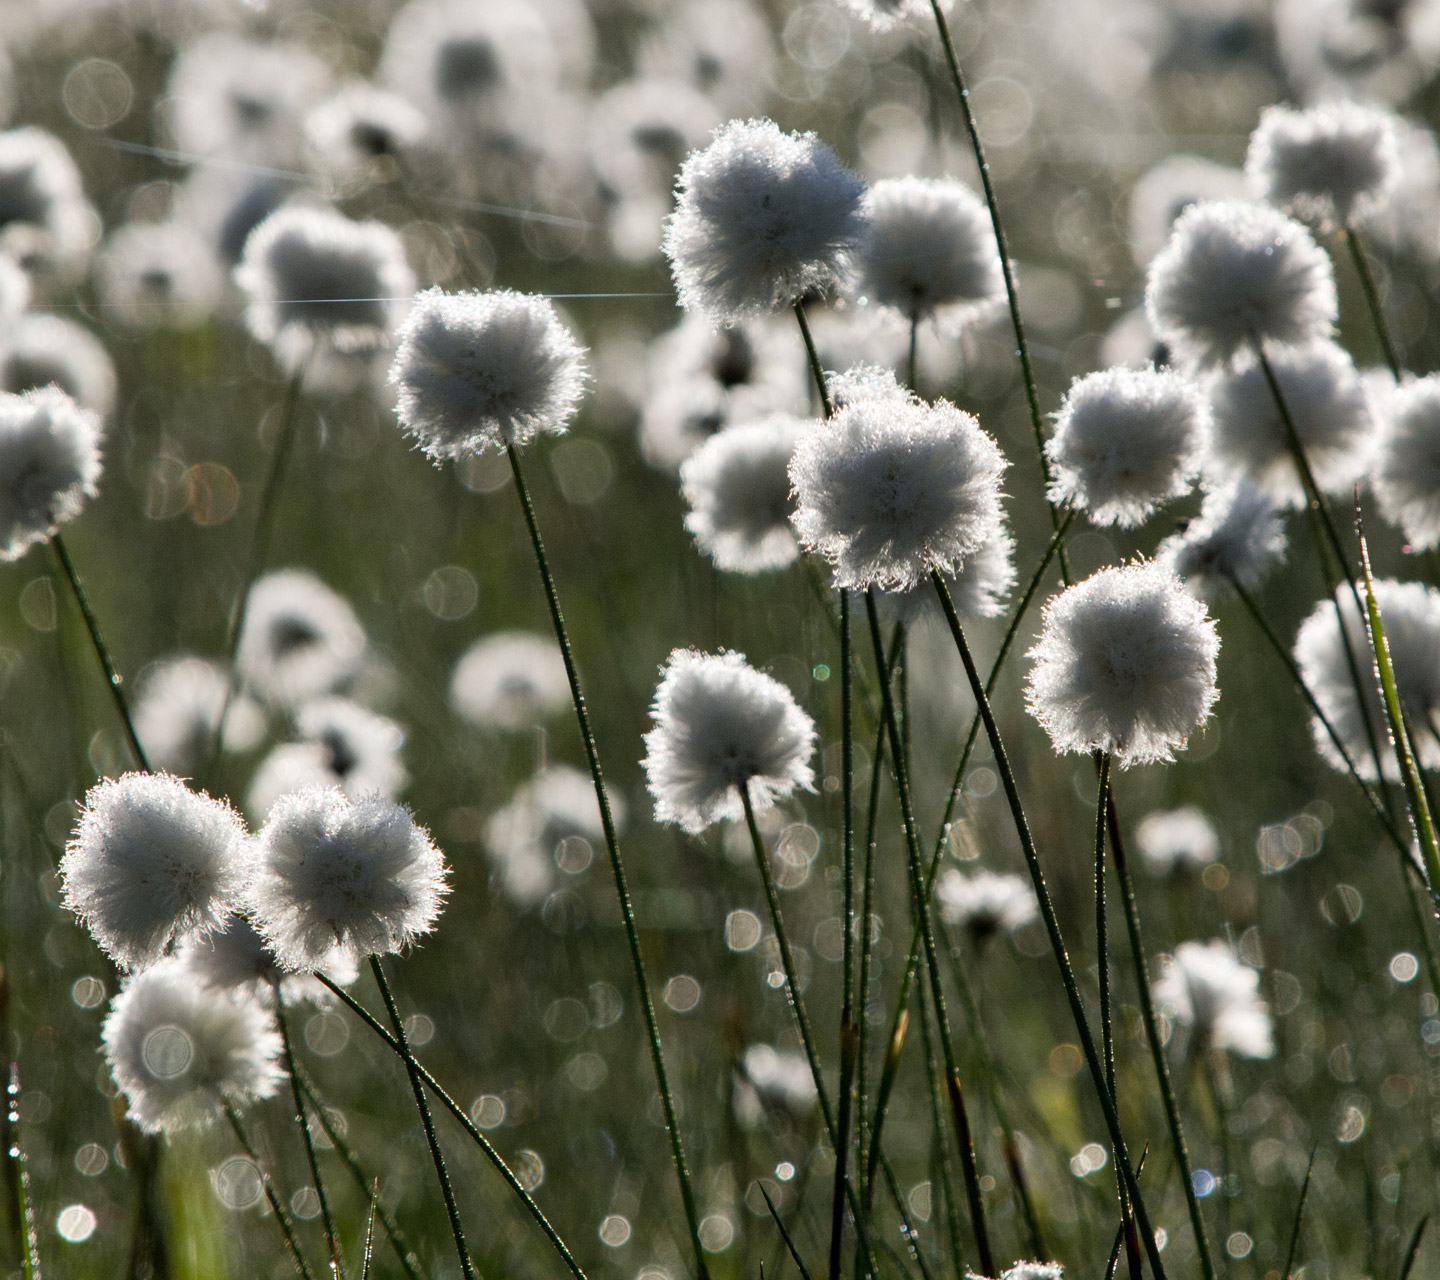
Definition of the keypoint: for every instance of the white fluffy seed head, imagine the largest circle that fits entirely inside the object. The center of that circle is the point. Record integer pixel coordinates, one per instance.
(929, 250)
(985, 903)
(1406, 474)
(1125, 663)
(721, 725)
(332, 874)
(1175, 840)
(1165, 190)
(762, 219)
(363, 132)
(151, 861)
(237, 960)
(1205, 987)
(1238, 537)
(177, 712)
(509, 680)
(1327, 164)
(885, 15)
(40, 350)
(181, 1053)
(977, 590)
(49, 465)
(1127, 440)
(1410, 613)
(737, 487)
(157, 274)
(1328, 406)
(301, 640)
(314, 276)
(892, 487)
(477, 371)
(46, 224)
(1234, 272)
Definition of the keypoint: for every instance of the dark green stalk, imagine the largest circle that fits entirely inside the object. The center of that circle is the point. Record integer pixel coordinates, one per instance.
(912, 355)
(784, 1234)
(347, 1156)
(456, 1110)
(417, 1087)
(617, 869)
(849, 1042)
(1299, 1217)
(1157, 1045)
(817, 370)
(1372, 299)
(97, 642)
(332, 1239)
(1012, 291)
(287, 1228)
(944, 1179)
(1052, 929)
(907, 1228)
(1413, 1251)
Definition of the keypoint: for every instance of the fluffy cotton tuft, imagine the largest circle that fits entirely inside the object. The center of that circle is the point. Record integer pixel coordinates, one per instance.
(334, 874)
(361, 132)
(763, 218)
(977, 590)
(49, 465)
(154, 274)
(929, 250)
(509, 680)
(892, 487)
(313, 276)
(985, 903)
(151, 861)
(46, 224)
(181, 1053)
(1127, 440)
(738, 489)
(1328, 163)
(721, 725)
(1125, 664)
(1234, 272)
(1406, 475)
(1174, 840)
(1410, 612)
(301, 640)
(177, 712)
(884, 15)
(1326, 399)
(477, 371)
(1238, 537)
(39, 350)
(1165, 190)
(236, 960)
(1205, 987)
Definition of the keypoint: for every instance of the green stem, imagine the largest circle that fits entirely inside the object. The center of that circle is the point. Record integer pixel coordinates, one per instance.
(1007, 268)
(936, 1087)
(1052, 929)
(1372, 299)
(1157, 1045)
(913, 354)
(97, 642)
(287, 1228)
(452, 1210)
(617, 868)
(849, 1042)
(812, 354)
(332, 1239)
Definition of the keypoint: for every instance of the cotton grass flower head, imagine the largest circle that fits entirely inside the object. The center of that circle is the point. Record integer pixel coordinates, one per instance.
(41, 350)
(49, 466)
(300, 639)
(723, 47)
(477, 371)
(1125, 664)
(1233, 273)
(721, 725)
(313, 276)
(1205, 987)
(737, 487)
(892, 488)
(1166, 190)
(1328, 164)
(181, 1054)
(762, 219)
(1238, 537)
(236, 960)
(885, 15)
(929, 251)
(781, 1076)
(159, 274)
(1328, 406)
(1177, 840)
(334, 874)
(1126, 441)
(1406, 473)
(151, 861)
(985, 903)
(177, 713)
(1410, 612)
(977, 590)
(46, 223)
(509, 680)
(362, 134)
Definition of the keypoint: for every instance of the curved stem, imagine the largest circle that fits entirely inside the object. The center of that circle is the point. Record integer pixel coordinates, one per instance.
(452, 1210)
(1372, 299)
(287, 1228)
(331, 1238)
(102, 652)
(617, 868)
(817, 370)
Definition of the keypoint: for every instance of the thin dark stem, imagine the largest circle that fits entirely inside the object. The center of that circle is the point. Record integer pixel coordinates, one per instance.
(1413, 1251)
(97, 642)
(1372, 299)
(912, 354)
(1052, 929)
(456, 1110)
(935, 1080)
(1299, 1218)
(817, 370)
(617, 868)
(784, 1234)
(417, 1087)
(1012, 291)
(849, 1041)
(287, 1228)
(332, 1239)
(1157, 1045)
